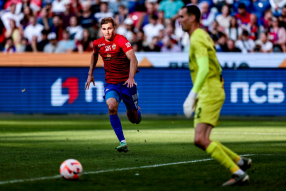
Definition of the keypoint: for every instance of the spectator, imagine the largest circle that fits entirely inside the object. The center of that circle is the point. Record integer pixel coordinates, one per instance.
(76, 7)
(220, 3)
(2, 35)
(58, 6)
(75, 30)
(233, 32)
(169, 46)
(161, 37)
(153, 46)
(33, 29)
(141, 40)
(26, 17)
(194, 2)
(263, 44)
(185, 42)
(33, 46)
(104, 12)
(224, 19)
(243, 17)
(23, 45)
(27, 3)
(152, 29)
(48, 6)
(171, 8)
(114, 5)
(222, 41)
(87, 19)
(282, 18)
(150, 11)
(266, 20)
(135, 47)
(216, 44)
(170, 33)
(67, 14)
(277, 36)
(231, 46)
(57, 27)
(9, 46)
(161, 18)
(121, 15)
(53, 47)
(95, 7)
(11, 15)
(66, 44)
(86, 44)
(44, 41)
(45, 20)
(214, 30)
(245, 44)
(253, 27)
(127, 29)
(276, 6)
(208, 16)
(14, 33)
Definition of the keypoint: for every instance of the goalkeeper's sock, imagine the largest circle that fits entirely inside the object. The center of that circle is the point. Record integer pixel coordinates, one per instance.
(240, 161)
(116, 125)
(235, 157)
(239, 172)
(219, 155)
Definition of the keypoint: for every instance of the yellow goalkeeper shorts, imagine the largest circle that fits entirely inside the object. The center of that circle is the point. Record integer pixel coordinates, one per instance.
(208, 112)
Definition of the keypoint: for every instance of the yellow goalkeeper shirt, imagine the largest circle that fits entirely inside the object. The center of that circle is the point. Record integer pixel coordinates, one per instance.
(202, 50)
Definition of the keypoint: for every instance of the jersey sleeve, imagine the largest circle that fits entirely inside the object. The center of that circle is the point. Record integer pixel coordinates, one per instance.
(200, 49)
(95, 46)
(124, 44)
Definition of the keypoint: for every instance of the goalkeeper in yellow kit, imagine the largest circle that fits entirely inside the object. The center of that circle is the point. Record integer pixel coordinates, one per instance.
(207, 95)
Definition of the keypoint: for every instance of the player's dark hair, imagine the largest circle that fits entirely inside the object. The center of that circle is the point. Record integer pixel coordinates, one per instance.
(107, 20)
(193, 10)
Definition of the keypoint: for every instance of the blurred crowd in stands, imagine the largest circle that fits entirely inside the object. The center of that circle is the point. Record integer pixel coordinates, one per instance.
(150, 25)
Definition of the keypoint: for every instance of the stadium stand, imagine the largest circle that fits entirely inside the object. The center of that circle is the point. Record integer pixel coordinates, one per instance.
(222, 19)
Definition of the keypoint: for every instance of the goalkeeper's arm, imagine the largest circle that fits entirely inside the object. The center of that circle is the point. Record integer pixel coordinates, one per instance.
(189, 105)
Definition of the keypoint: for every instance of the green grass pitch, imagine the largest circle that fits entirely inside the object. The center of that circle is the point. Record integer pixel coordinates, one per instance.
(35, 146)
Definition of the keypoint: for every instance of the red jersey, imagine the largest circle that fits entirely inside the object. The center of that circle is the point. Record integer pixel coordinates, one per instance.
(243, 19)
(116, 63)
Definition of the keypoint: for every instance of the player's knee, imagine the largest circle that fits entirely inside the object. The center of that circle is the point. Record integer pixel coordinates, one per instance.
(112, 108)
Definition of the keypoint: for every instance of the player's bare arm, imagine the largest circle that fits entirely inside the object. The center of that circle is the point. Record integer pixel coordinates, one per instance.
(133, 68)
(93, 61)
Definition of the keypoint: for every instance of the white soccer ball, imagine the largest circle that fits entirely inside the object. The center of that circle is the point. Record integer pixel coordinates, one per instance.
(71, 169)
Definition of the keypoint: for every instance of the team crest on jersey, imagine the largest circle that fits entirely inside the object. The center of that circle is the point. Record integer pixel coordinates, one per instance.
(128, 44)
(107, 48)
(113, 46)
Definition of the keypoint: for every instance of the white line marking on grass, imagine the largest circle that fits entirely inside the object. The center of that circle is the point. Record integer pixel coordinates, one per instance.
(110, 170)
(102, 171)
(192, 132)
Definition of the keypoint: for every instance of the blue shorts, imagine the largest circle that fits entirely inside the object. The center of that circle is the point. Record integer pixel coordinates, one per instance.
(128, 95)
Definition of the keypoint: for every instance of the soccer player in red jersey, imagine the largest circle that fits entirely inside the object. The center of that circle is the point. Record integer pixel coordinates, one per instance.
(120, 65)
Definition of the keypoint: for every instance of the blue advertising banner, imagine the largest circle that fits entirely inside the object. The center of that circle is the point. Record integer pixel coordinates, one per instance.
(249, 92)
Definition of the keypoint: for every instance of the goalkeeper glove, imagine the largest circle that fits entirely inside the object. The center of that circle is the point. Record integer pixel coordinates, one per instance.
(190, 104)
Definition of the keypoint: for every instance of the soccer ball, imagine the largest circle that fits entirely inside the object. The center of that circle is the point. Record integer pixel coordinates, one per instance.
(71, 169)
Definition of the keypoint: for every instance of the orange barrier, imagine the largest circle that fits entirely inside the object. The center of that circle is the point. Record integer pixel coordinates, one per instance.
(53, 60)
(47, 60)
